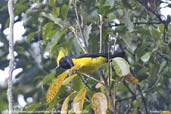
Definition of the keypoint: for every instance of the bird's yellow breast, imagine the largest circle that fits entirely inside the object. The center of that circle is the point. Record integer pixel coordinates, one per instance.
(88, 64)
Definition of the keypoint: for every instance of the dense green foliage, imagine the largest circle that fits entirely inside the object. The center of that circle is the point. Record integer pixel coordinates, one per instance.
(74, 24)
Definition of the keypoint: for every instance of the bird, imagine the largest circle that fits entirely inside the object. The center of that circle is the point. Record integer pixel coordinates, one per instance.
(86, 63)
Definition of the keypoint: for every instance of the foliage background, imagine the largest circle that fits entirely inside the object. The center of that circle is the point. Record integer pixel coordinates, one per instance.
(143, 33)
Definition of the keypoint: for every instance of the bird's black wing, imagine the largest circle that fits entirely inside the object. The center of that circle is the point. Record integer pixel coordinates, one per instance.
(106, 55)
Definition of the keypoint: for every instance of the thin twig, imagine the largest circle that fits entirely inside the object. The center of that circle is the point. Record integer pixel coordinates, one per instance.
(127, 98)
(90, 77)
(109, 93)
(137, 23)
(129, 108)
(158, 16)
(143, 99)
(79, 25)
(85, 51)
(11, 53)
(129, 89)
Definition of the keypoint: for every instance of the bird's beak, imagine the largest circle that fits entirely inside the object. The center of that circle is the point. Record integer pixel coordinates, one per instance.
(57, 66)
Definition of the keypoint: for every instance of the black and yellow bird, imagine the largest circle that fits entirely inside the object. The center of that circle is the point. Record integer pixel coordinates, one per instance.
(86, 63)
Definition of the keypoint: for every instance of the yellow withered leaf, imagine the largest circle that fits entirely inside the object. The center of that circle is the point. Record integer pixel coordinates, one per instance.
(55, 86)
(62, 52)
(68, 79)
(99, 103)
(79, 101)
(64, 109)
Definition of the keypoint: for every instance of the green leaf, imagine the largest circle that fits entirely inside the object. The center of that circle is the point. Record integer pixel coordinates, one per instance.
(66, 43)
(77, 84)
(30, 36)
(109, 2)
(161, 28)
(48, 78)
(156, 34)
(121, 66)
(53, 18)
(56, 11)
(48, 31)
(34, 106)
(145, 58)
(19, 8)
(64, 11)
(51, 106)
(128, 21)
(52, 3)
(55, 39)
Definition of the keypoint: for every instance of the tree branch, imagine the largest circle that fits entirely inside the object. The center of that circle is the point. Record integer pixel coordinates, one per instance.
(137, 23)
(158, 16)
(11, 53)
(100, 28)
(129, 89)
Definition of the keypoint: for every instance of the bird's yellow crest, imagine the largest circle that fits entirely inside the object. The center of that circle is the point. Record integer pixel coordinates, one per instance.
(62, 52)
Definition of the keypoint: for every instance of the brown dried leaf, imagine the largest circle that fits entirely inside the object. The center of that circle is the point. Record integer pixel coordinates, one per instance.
(130, 78)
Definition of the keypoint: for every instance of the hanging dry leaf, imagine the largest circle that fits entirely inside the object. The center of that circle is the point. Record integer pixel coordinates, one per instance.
(79, 101)
(99, 103)
(55, 86)
(130, 78)
(99, 85)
